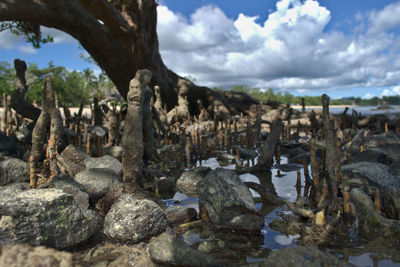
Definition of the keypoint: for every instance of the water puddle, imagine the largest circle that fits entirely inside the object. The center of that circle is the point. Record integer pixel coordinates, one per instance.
(282, 184)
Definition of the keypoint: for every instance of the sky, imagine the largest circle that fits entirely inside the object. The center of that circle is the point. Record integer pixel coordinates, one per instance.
(304, 47)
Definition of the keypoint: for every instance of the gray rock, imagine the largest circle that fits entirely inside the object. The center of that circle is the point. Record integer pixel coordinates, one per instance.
(226, 157)
(166, 249)
(246, 153)
(392, 152)
(391, 203)
(9, 146)
(24, 255)
(372, 224)
(227, 202)
(105, 162)
(383, 139)
(290, 167)
(44, 217)
(180, 214)
(377, 174)
(97, 182)
(188, 181)
(114, 151)
(370, 156)
(134, 220)
(70, 186)
(13, 171)
(71, 160)
(302, 257)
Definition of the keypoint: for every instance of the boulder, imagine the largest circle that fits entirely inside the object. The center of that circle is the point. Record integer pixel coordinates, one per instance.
(97, 182)
(226, 202)
(180, 214)
(382, 139)
(372, 224)
(391, 203)
(9, 146)
(44, 217)
(188, 181)
(71, 160)
(68, 185)
(105, 162)
(13, 171)
(169, 250)
(24, 255)
(302, 257)
(134, 220)
(114, 151)
(392, 152)
(370, 156)
(376, 174)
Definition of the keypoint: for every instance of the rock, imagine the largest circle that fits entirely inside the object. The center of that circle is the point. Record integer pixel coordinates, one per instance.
(377, 174)
(392, 152)
(166, 249)
(302, 257)
(24, 255)
(114, 151)
(290, 167)
(9, 146)
(13, 171)
(383, 139)
(134, 220)
(246, 153)
(227, 203)
(396, 167)
(71, 160)
(391, 203)
(97, 182)
(44, 217)
(68, 185)
(372, 224)
(226, 157)
(188, 181)
(166, 187)
(369, 156)
(105, 162)
(180, 214)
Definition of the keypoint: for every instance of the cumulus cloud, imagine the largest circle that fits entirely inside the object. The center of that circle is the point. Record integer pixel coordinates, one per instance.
(11, 41)
(290, 50)
(395, 90)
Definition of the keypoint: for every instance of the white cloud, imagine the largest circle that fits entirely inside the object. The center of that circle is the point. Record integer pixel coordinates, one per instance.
(28, 49)
(394, 91)
(291, 50)
(11, 41)
(385, 19)
(368, 96)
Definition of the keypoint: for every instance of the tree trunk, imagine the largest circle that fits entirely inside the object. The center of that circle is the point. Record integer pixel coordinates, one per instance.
(121, 36)
(132, 140)
(18, 102)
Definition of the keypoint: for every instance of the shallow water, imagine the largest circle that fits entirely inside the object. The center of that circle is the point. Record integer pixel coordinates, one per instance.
(284, 185)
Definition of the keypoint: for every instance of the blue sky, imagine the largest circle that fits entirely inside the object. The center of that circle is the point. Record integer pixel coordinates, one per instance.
(343, 48)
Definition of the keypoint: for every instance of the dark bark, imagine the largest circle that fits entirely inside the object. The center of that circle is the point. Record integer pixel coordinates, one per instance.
(265, 160)
(132, 140)
(332, 162)
(40, 129)
(121, 37)
(18, 102)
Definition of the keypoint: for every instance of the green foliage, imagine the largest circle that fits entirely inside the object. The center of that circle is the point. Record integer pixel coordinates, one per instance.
(71, 87)
(287, 98)
(7, 76)
(31, 31)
